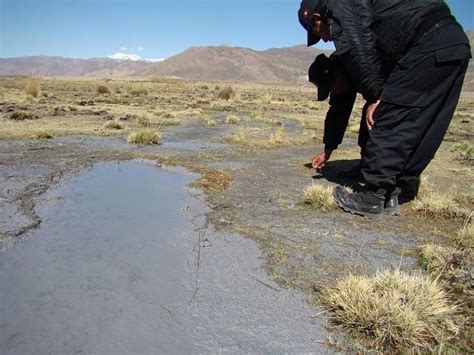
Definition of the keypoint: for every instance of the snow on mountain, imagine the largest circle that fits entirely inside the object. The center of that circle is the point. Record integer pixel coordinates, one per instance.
(125, 56)
(132, 57)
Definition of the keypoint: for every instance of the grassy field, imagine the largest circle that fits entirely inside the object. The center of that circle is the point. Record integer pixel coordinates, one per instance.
(274, 121)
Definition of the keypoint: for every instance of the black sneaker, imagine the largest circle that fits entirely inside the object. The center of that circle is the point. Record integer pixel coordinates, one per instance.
(365, 203)
(409, 189)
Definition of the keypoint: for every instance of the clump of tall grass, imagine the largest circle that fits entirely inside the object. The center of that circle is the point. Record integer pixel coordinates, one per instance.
(396, 310)
(113, 124)
(266, 99)
(145, 136)
(32, 87)
(210, 121)
(143, 121)
(431, 203)
(463, 151)
(320, 197)
(23, 115)
(232, 119)
(42, 135)
(226, 93)
(103, 90)
(277, 138)
(138, 91)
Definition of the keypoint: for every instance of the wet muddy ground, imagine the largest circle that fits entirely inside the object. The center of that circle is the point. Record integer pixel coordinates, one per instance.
(124, 262)
(262, 255)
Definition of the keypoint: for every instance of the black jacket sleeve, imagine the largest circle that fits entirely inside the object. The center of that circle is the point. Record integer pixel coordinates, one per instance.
(356, 42)
(337, 118)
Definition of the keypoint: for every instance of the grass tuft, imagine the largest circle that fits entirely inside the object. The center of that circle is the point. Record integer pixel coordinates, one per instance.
(266, 99)
(32, 87)
(210, 121)
(320, 197)
(138, 91)
(430, 203)
(145, 136)
(22, 116)
(143, 121)
(463, 151)
(226, 93)
(42, 135)
(114, 124)
(277, 138)
(232, 119)
(394, 309)
(103, 90)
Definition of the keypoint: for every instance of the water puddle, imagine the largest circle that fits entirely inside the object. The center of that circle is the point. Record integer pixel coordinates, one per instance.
(121, 265)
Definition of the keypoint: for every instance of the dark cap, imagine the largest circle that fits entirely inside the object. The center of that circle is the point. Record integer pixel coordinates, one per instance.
(305, 15)
(319, 73)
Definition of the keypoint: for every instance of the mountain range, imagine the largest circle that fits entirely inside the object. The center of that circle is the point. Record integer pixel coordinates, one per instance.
(213, 63)
(221, 63)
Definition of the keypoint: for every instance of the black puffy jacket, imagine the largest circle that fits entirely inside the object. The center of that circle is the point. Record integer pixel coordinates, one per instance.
(372, 35)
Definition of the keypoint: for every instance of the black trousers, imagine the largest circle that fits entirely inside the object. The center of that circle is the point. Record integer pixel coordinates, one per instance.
(417, 105)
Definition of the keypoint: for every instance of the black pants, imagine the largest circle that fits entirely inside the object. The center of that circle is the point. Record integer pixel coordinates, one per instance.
(417, 104)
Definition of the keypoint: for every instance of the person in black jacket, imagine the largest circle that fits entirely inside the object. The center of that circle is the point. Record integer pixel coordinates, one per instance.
(410, 110)
(331, 80)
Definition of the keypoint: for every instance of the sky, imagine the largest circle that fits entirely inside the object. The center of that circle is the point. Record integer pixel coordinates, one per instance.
(155, 29)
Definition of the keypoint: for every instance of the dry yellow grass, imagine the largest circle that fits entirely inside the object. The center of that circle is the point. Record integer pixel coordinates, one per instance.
(320, 197)
(431, 203)
(232, 119)
(266, 99)
(145, 136)
(277, 138)
(396, 310)
(465, 236)
(32, 87)
(210, 121)
(42, 135)
(113, 124)
(463, 151)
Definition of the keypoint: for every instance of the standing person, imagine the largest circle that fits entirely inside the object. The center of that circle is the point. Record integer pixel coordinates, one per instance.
(410, 110)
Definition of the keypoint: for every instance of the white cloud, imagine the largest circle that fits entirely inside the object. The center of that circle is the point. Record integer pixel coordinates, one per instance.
(123, 49)
(140, 49)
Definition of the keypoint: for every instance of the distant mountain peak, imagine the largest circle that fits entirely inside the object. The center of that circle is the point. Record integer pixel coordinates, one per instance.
(125, 56)
(132, 57)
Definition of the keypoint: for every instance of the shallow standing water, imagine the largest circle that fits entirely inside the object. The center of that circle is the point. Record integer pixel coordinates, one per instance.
(118, 266)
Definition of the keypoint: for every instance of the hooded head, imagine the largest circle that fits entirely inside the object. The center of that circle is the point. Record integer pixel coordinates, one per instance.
(306, 17)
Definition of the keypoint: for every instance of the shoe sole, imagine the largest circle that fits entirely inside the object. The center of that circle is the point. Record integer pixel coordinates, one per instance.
(392, 213)
(363, 214)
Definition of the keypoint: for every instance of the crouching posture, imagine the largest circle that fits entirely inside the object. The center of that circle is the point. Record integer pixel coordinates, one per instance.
(409, 109)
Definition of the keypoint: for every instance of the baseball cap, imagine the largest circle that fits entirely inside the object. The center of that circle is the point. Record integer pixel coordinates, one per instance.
(319, 73)
(305, 15)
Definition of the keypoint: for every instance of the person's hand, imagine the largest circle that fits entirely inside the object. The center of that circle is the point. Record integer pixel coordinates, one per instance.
(321, 159)
(370, 114)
